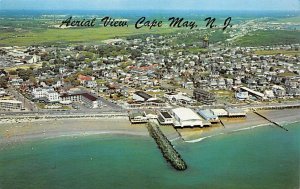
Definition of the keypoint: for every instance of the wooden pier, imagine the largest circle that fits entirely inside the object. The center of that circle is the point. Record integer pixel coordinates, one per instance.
(273, 122)
(168, 151)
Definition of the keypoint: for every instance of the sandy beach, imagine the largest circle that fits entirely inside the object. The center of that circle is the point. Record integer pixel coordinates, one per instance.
(43, 129)
(13, 131)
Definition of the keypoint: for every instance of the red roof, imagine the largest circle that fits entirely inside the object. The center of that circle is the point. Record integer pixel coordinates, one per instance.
(84, 78)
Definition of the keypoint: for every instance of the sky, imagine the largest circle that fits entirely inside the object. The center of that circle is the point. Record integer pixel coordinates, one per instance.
(150, 4)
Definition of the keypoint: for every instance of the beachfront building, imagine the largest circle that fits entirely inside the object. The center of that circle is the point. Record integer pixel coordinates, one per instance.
(165, 118)
(47, 93)
(144, 100)
(150, 114)
(137, 117)
(235, 112)
(208, 115)
(220, 112)
(9, 105)
(52, 96)
(185, 117)
(87, 99)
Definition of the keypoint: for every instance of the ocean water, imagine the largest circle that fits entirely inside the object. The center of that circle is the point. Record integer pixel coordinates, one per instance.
(265, 157)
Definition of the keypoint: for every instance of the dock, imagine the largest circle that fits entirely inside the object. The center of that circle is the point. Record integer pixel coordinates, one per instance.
(273, 122)
(167, 149)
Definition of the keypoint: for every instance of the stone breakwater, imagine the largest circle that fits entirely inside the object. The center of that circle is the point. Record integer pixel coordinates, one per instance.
(167, 149)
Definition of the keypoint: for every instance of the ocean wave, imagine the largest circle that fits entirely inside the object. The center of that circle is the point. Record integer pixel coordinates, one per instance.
(251, 127)
(200, 139)
(228, 132)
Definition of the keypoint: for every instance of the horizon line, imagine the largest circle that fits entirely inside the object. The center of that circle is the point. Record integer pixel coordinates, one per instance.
(260, 10)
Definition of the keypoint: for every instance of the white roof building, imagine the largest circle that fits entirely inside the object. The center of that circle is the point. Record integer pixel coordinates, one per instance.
(185, 117)
(269, 94)
(219, 112)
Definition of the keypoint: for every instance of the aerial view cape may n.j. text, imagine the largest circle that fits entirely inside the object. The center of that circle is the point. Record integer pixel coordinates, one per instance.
(138, 94)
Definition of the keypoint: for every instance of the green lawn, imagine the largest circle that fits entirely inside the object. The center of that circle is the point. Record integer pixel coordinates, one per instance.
(271, 37)
(274, 52)
(295, 19)
(71, 36)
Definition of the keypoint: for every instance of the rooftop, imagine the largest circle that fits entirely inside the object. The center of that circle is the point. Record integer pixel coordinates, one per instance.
(165, 114)
(207, 114)
(143, 95)
(186, 114)
(11, 101)
(235, 111)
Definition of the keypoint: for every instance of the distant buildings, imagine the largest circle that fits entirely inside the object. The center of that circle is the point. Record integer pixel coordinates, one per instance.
(254, 93)
(9, 105)
(205, 42)
(143, 100)
(45, 93)
(87, 81)
(2, 92)
(87, 99)
(30, 59)
(179, 98)
(242, 95)
(142, 96)
(204, 96)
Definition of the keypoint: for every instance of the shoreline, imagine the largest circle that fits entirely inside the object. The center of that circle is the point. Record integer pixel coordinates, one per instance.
(45, 129)
(28, 129)
(252, 121)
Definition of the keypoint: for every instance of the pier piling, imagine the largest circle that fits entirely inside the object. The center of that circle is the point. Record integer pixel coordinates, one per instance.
(222, 123)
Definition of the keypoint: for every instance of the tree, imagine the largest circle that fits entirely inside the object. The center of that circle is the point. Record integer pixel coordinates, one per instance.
(44, 65)
(33, 80)
(25, 74)
(3, 82)
(135, 53)
(12, 72)
(71, 65)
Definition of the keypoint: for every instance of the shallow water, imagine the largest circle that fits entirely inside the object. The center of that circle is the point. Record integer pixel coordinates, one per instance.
(265, 157)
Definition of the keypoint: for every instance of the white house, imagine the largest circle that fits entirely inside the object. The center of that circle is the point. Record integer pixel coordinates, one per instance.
(52, 96)
(45, 92)
(242, 95)
(32, 59)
